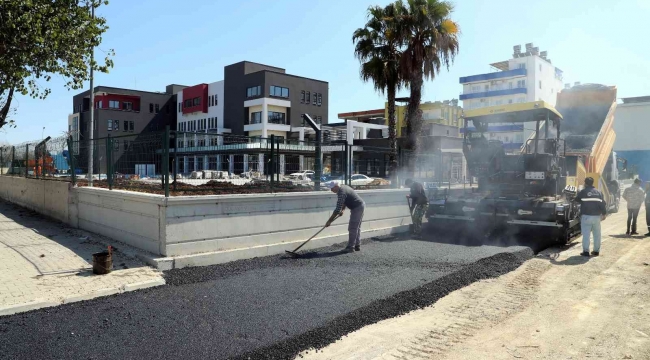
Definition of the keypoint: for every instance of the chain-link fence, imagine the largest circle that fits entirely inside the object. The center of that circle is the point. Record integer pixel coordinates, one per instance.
(179, 163)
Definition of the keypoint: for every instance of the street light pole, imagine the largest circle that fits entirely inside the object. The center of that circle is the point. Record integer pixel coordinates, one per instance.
(92, 107)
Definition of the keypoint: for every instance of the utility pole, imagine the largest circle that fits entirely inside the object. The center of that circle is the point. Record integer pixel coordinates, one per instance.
(92, 107)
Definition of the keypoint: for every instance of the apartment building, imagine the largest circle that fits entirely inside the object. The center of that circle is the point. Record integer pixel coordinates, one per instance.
(118, 112)
(528, 76)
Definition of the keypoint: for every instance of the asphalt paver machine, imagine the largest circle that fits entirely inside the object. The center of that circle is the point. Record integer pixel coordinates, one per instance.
(518, 192)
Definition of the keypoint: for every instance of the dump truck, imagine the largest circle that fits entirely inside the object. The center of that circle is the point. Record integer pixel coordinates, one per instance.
(589, 136)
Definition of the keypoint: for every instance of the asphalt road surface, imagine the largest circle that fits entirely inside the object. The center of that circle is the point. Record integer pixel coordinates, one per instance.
(271, 307)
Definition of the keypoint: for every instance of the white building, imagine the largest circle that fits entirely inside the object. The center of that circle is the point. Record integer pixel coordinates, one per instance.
(528, 76)
(632, 127)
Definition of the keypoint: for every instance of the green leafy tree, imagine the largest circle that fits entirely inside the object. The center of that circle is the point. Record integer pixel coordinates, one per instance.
(377, 46)
(430, 39)
(43, 38)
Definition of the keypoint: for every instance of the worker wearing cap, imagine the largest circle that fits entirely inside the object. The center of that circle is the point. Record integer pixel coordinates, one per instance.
(594, 209)
(348, 198)
(634, 196)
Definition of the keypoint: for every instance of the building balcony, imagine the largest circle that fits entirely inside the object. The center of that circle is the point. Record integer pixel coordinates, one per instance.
(493, 76)
(485, 94)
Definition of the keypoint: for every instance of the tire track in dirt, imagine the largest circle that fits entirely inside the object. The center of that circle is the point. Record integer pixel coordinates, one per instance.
(480, 308)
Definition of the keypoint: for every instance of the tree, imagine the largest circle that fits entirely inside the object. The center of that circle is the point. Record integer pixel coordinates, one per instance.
(377, 46)
(43, 38)
(431, 40)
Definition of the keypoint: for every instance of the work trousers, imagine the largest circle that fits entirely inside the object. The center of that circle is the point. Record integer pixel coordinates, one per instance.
(354, 227)
(418, 213)
(632, 215)
(589, 224)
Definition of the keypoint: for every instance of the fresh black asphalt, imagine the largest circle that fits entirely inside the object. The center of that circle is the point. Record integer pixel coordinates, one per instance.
(272, 307)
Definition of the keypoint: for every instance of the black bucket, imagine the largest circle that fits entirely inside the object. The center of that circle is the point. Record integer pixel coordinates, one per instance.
(102, 262)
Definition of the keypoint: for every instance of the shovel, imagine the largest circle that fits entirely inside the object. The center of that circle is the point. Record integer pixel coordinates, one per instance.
(408, 201)
(294, 253)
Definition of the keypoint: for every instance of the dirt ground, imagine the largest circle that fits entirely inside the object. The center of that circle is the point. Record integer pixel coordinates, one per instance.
(558, 305)
(210, 188)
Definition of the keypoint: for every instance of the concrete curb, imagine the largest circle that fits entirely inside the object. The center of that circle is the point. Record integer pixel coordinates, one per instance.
(220, 257)
(20, 308)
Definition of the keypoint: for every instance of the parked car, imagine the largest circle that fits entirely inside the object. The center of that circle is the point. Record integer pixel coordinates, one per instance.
(302, 175)
(355, 180)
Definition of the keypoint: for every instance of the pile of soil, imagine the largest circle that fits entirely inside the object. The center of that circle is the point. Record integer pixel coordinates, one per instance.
(212, 187)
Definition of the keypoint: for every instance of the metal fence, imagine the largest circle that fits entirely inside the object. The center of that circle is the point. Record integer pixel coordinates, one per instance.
(179, 163)
(46, 159)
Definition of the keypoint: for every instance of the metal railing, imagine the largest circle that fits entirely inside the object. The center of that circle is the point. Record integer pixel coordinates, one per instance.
(177, 163)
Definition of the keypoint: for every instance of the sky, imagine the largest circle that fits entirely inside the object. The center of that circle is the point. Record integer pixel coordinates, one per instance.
(161, 42)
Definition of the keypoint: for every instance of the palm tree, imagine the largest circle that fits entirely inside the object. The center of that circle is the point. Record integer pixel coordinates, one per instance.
(377, 46)
(430, 39)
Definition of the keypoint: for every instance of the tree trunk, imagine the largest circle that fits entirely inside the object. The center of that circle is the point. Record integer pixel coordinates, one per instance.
(392, 136)
(4, 112)
(414, 123)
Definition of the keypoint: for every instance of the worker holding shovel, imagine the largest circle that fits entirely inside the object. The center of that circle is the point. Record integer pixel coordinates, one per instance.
(347, 197)
(418, 206)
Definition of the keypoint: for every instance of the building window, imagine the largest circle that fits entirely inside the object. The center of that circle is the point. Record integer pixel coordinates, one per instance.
(256, 117)
(116, 145)
(302, 96)
(180, 107)
(188, 103)
(254, 91)
(131, 126)
(521, 66)
(99, 104)
(110, 125)
(319, 120)
(540, 67)
(540, 84)
(510, 101)
(277, 118)
(150, 107)
(279, 91)
(126, 125)
(127, 105)
(157, 108)
(201, 142)
(210, 100)
(487, 87)
(216, 99)
(116, 125)
(112, 104)
(320, 99)
(521, 83)
(180, 143)
(308, 100)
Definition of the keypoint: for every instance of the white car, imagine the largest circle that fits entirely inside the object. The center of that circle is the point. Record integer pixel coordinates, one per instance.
(360, 179)
(302, 175)
(355, 180)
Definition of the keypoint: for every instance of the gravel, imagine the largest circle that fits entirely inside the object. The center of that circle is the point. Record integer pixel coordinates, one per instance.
(264, 308)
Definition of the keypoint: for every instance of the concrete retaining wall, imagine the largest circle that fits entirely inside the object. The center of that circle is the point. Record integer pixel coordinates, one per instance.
(201, 230)
(48, 197)
(132, 218)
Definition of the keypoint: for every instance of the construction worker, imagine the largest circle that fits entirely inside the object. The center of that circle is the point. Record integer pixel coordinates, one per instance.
(594, 209)
(634, 196)
(647, 206)
(418, 205)
(348, 198)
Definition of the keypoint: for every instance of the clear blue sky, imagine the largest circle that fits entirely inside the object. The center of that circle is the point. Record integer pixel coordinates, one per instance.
(160, 42)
